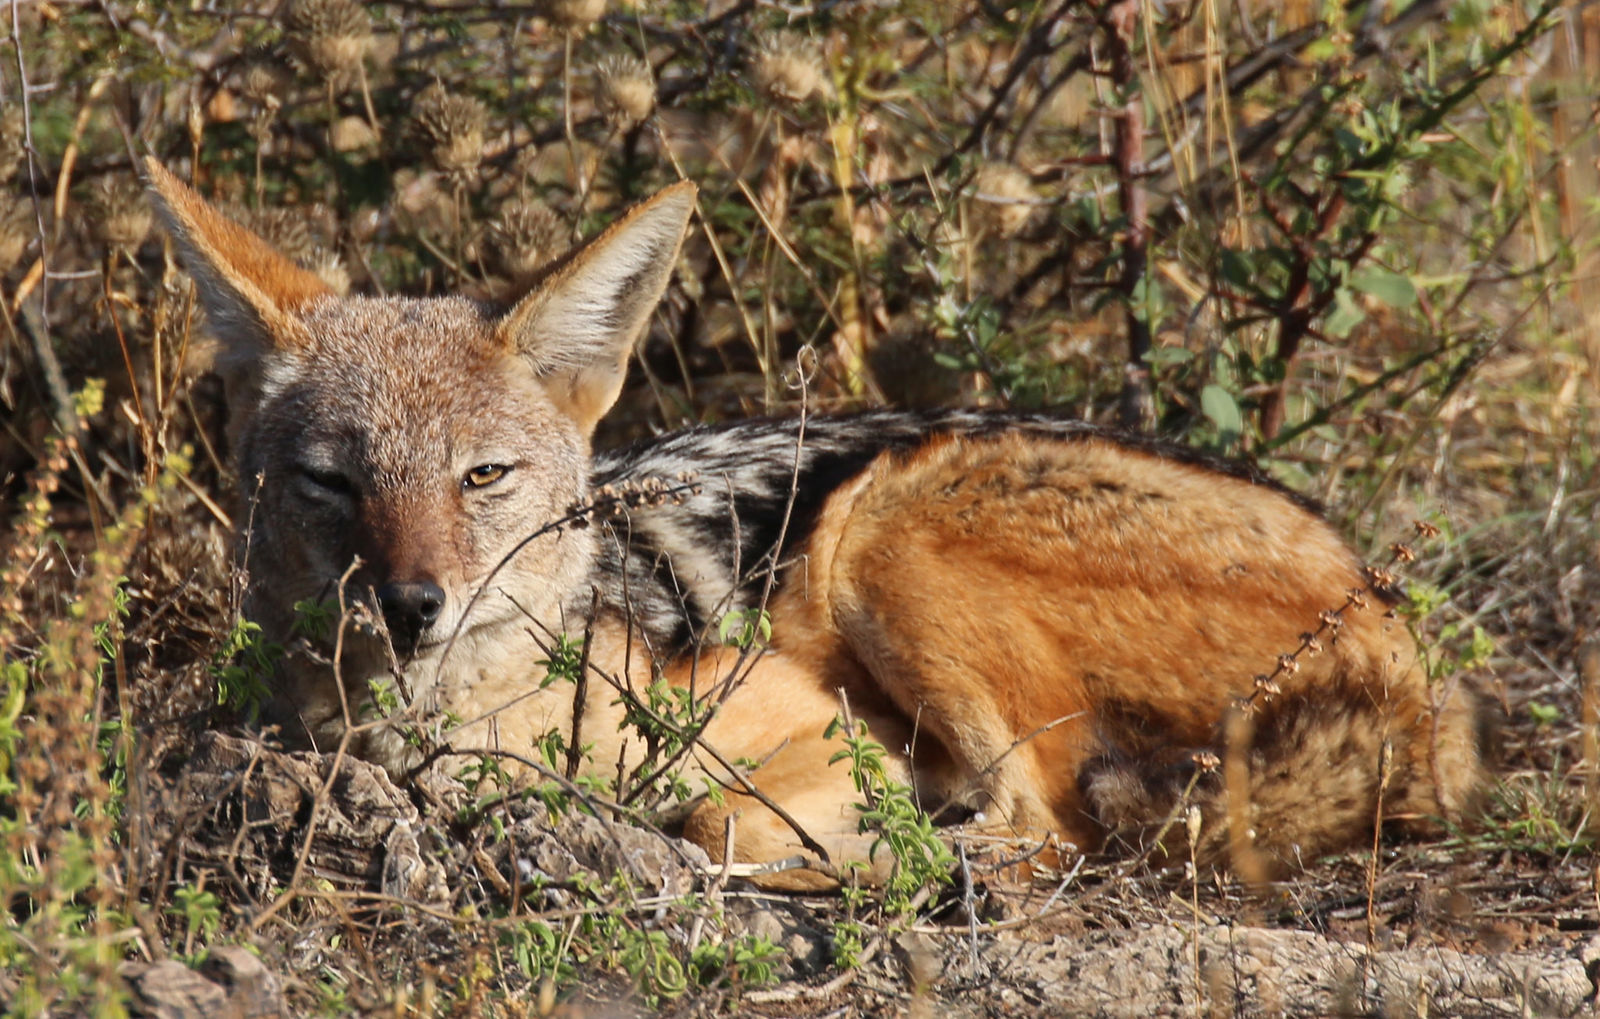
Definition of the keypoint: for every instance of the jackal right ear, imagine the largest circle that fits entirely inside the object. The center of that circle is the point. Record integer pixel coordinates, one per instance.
(250, 292)
(578, 325)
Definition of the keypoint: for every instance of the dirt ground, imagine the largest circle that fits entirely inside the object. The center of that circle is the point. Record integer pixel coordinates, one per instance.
(1482, 924)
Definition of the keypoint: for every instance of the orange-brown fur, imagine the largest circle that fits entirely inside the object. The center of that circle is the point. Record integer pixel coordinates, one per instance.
(1043, 630)
(1116, 589)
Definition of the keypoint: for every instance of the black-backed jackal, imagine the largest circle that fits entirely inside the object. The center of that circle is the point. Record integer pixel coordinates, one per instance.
(1047, 624)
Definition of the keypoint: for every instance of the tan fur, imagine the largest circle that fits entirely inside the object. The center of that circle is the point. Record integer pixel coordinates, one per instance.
(1054, 626)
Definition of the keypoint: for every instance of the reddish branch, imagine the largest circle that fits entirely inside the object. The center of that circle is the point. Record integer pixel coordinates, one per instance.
(1121, 20)
(1302, 300)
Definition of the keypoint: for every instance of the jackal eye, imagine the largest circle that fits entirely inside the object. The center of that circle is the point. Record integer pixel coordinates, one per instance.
(327, 482)
(484, 475)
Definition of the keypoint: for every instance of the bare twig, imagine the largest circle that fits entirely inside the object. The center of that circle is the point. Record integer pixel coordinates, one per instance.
(1121, 24)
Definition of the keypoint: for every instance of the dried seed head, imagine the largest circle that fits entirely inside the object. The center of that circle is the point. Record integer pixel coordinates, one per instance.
(1191, 823)
(525, 164)
(330, 37)
(120, 212)
(612, 502)
(285, 229)
(625, 93)
(1002, 200)
(16, 229)
(1425, 529)
(330, 269)
(289, 231)
(787, 67)
(350, 134)
(525, 235)
(13, 136)
(573, 15)
(453, 127)
(265, 82)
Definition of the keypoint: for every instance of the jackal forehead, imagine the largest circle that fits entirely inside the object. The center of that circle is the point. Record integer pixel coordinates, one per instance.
(371, 332)
(406, 386)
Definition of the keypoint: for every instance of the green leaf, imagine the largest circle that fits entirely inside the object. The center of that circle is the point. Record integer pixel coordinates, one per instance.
(1391, 288)
(1168, 354)
(1222, 410)
(1239, 270)
(1543, 714)
(1345, 315)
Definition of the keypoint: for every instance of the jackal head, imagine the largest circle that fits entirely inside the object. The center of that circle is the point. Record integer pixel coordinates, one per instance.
(418, 441)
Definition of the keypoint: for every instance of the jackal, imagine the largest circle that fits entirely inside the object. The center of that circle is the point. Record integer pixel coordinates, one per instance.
(1056, 630)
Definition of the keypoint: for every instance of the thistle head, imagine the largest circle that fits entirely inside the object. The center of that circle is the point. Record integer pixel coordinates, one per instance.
(453, 127)
(787, 67)
(329, 37)
(525, 236)
(625, 92)
(120, 212)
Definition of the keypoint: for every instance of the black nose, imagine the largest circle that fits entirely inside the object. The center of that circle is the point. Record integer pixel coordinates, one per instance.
(409, 609)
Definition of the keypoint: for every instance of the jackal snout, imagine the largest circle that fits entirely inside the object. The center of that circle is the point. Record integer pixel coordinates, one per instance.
(409, 611)
(406, 548)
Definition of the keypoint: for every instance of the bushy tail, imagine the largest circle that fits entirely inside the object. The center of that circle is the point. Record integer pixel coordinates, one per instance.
(1296, 776)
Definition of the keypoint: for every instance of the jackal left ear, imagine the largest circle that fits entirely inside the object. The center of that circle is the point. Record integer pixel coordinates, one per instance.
(579, 324)
(252, 294)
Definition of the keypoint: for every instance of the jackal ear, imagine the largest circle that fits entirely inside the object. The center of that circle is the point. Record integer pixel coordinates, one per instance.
(578, 326)
(250, 292)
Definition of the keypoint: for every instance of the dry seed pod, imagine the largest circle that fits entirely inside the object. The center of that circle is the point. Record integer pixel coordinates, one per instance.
(330, 37)
(331, 270)
(453, 127)
(289, 230)
(573, 15)
(525, 235)
(120, 213)
(525, 164)
(285, 229)
(787, 67)
(350, 134)
(1002, 200)
(265, 83)
(625, 93)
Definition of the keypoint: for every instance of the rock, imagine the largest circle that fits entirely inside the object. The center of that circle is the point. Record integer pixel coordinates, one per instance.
(246, 807)
(582, 846)
(231, 984)
(171, 990)
(792, 928)
(247, 982)
(239, 803)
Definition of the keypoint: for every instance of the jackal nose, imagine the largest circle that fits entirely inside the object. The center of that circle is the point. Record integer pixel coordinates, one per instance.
(409, 609)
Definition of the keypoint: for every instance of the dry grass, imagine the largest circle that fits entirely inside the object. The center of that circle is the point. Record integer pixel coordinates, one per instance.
(1359, 256)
